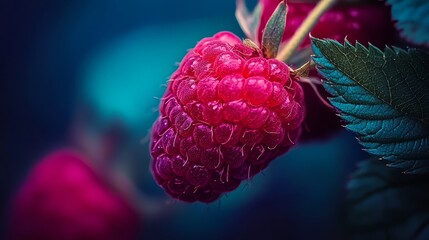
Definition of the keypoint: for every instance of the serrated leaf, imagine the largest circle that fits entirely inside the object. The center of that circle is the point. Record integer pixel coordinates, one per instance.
(412, 18)
(249, 22)
(273, 32)
(382, 203)
(384, 97)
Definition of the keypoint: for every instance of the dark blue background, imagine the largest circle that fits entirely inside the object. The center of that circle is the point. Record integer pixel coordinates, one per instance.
(115, 55)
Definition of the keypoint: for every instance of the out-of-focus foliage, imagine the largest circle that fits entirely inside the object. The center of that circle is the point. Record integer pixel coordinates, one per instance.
(248, 21)
(382, 203)
(412, 18)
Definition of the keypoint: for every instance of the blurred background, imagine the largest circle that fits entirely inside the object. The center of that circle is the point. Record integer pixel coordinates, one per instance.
(96, 64)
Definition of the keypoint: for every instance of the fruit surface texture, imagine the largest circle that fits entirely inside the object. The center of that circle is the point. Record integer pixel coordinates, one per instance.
(226, 114)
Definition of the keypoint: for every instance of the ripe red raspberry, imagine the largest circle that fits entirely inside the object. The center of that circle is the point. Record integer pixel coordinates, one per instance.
(63, 198)
(226, 114)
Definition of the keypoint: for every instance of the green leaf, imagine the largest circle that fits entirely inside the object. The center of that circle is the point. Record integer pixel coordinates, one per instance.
(412, 18)
(382, 203)
(384, 97)
(273, 32)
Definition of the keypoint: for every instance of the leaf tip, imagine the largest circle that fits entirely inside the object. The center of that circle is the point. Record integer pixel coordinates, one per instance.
(312, 38)
(315, 44)
(274, 30)
(346, 40)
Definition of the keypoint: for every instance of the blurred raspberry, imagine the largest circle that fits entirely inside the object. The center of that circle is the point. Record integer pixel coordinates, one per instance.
(63, 198)
(363, 22)
(320, 121)
(226, 114)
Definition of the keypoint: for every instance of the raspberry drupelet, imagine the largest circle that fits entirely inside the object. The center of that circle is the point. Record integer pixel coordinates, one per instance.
(226, 114)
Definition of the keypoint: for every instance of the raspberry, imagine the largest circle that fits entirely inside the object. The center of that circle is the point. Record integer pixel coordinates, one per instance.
(364, 22)
(226, 114)
(313, 126)
(63, 198)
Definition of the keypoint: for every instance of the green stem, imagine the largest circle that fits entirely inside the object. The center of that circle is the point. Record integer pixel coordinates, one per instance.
(304, 29)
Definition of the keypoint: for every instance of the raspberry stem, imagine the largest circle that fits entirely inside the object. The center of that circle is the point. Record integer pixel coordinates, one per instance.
(304, 29)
